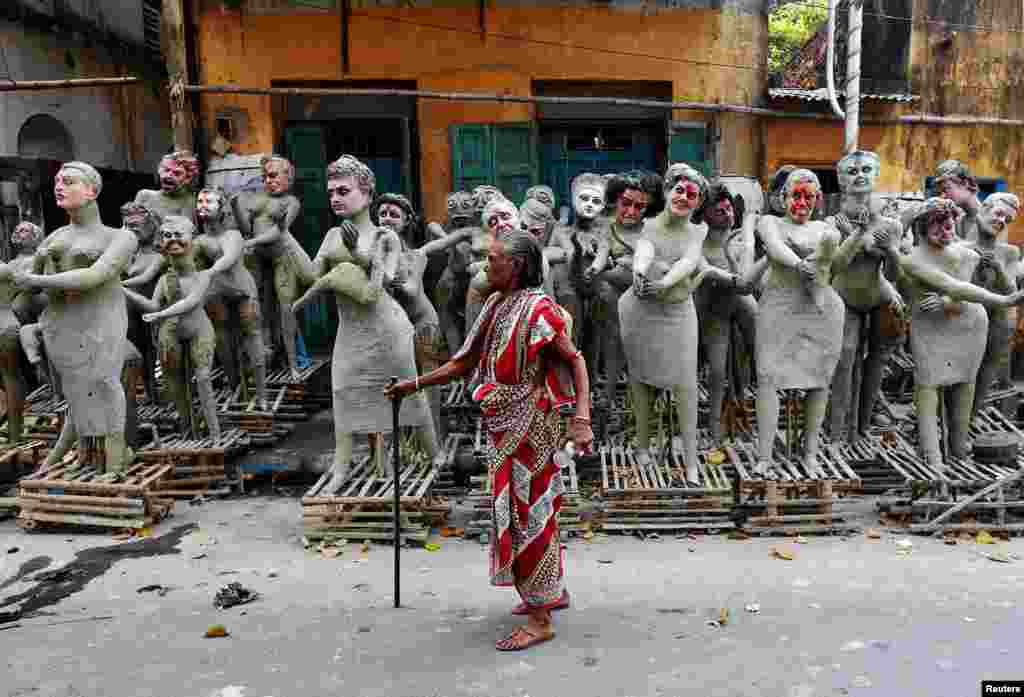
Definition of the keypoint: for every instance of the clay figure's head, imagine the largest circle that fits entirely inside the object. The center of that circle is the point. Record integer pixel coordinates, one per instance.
(177, 171)
(954, 181)
(140, 220)
(630, 196)
(278, 174)
(685, 189)
(588, 195)
(858, 171)
(801, 195)
(461, 209)
(394, 212)
(723, 209)
(26, 236)
(514, 261)
(482, 195)
(501, 217)
(997, 213)
(350, 186)
(934, 222)
(537, 219)
(544, 194)
(176, 235)
(210, 204)
(776, 195)
(76, 184)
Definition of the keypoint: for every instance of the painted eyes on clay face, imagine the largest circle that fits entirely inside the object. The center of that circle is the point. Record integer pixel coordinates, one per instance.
(500, 216)
(687, 190)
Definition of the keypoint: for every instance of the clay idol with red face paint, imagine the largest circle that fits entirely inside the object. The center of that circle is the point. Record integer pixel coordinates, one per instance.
(800, 317)
(948, 329)
(178, 173)
(657, 314)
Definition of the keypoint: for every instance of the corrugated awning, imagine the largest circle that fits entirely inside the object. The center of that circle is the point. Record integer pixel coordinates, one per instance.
(821, 95)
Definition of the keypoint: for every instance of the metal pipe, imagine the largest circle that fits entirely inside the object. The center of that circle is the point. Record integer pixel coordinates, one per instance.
(853, 53)
(830, 60)
(935, 119)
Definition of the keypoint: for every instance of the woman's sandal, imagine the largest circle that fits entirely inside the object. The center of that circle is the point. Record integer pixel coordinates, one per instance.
(522, 638)
(563, 603)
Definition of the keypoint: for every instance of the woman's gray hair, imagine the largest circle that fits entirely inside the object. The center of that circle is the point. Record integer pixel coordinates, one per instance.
(86, 172)
(524, 246)
(681, 170)
(349, 166)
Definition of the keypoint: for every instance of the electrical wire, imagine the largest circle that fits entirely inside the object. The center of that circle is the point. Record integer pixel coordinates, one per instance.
(543, 42)
(925, 20)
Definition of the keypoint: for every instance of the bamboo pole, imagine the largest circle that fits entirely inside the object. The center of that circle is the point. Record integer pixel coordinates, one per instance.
(172, 39)
(38, 85)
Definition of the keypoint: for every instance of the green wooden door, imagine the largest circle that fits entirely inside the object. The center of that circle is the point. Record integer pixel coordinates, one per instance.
(688, 143)
(307, 151)
(504, 155)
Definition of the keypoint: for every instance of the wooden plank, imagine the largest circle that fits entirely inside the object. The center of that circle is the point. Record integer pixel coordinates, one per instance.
(85, 520)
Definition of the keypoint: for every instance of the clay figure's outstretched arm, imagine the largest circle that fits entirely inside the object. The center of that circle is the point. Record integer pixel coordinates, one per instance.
(149, 274)
(142, 302)
(190, 302)
(436, 231)
(107, 267)
(442, 243)
(942, 282)
(776, 249)
(347, 279)
(232, 247)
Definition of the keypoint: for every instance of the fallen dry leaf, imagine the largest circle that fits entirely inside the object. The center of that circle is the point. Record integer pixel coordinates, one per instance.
(330, 552)
(783, 553)
(723, 616)
(216, 630)
(738, 535)
(873, 534)
(984, 538)
(716, 457)
(432, 547)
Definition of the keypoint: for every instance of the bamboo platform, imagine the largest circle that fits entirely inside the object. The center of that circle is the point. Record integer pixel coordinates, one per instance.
(65, 495)
(362, 507)
(201, 466)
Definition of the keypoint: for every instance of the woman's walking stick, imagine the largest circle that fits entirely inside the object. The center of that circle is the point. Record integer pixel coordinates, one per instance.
(396, 447)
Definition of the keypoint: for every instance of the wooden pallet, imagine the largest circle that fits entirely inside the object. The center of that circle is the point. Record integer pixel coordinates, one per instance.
(65, 495)
(201, 466)
(742, 456)
(362, 508)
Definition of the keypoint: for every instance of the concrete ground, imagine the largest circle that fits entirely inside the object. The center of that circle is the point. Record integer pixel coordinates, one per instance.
(846, 616)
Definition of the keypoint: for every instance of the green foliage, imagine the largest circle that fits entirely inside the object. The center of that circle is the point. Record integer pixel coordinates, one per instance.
(789, 28)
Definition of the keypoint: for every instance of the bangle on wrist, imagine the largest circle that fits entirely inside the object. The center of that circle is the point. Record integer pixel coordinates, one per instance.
(580, 418)
(417, 383)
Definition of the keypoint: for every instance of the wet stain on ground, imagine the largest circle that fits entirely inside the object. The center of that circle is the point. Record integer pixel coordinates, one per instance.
(51, 587)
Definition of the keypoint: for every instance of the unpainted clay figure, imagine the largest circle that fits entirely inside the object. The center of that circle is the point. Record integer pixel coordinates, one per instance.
(948, 328)
(999, 270)
(85, 321)
(800, 317)
(581, 241)
(867, 260)
(265, 219)
(543, 193)
(375, 337)
(26, 238)
(725, 296)
(472, 254)
(178, 173)
(142, 275)
(537, 218)
(657, 314)
(395, 212)
(10, 353)
(500, 216)
(233, 291)
(629, 195)
(954, 181)
(448, 300)
(178, 301)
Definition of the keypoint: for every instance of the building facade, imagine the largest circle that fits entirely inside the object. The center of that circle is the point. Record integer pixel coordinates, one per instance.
(123, 131)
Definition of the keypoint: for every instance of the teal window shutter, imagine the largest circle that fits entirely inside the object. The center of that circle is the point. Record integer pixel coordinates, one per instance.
(472, 156)
(688, 143)
(504, 155)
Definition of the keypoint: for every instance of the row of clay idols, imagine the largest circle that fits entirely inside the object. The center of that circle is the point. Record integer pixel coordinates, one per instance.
(687, 247)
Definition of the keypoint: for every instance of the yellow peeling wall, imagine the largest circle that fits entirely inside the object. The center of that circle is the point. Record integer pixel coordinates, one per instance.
(442, 48)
